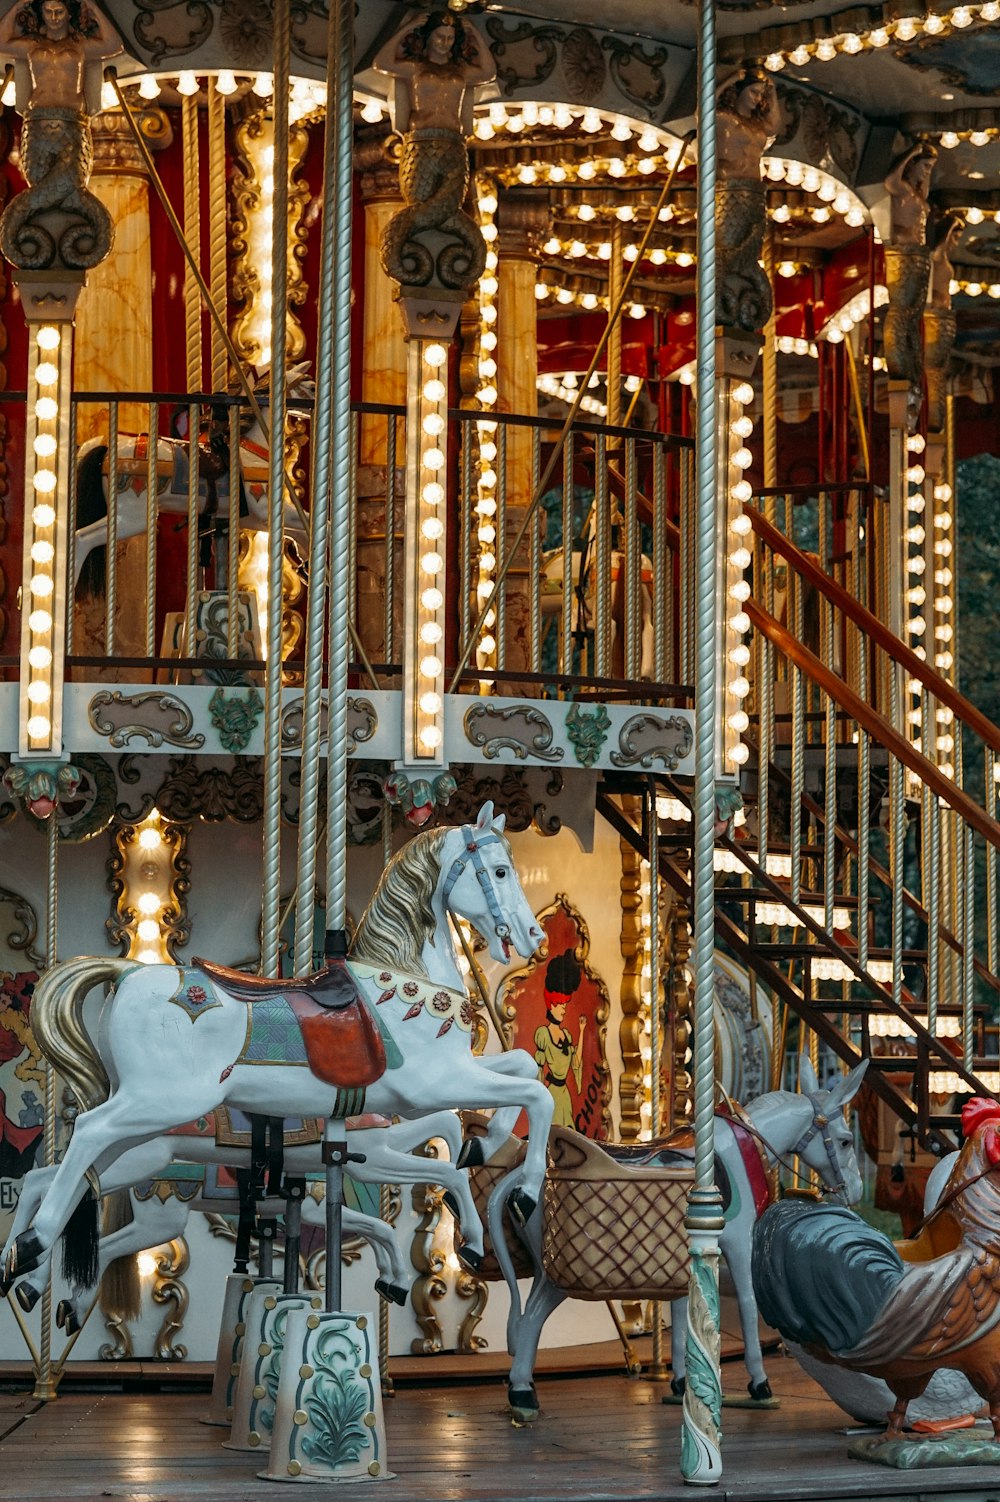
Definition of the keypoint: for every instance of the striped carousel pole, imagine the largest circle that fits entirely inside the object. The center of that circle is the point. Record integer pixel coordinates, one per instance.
(701, 1454)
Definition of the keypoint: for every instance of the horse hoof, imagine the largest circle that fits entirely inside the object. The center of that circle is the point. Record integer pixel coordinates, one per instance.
(469, 1258)
(27, 1296)
(677, 1386)
(391, 1292)
(450, 1201)
(760, 1392)
(472, 1155)
(66, 1317)
(523, 1405)
(24, 1256)
(521, 1206)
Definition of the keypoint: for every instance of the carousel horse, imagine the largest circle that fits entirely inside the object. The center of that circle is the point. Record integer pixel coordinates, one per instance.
(770, 1130)
(150, 1221)
(172, 467)
(180, 1041)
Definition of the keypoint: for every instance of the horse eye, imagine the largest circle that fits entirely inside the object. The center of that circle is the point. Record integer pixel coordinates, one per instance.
(501, 872)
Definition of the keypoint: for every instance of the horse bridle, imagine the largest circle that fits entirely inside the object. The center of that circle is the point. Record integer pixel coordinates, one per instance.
(474, 842)
(820, 1124)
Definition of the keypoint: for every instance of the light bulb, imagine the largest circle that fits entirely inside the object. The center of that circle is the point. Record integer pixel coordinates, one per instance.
(430, 666)
(39, 621)
(225, 82)
(150, 838)
(432, 599)
(148, 902)
(44, 481)
(187, 83)
(432, 493)
(743, 393)
(40, 657)
(39, 693)
(431, 633)
(435, 355)
(46, 408)
(47, 337)
(39, 726)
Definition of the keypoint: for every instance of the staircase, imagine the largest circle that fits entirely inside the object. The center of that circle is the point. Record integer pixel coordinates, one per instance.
(862, 889)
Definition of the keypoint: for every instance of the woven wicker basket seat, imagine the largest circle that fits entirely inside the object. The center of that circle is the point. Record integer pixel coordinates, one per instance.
(610, 1229)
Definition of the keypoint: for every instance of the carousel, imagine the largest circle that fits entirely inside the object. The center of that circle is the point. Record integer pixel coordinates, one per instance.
(498, 790)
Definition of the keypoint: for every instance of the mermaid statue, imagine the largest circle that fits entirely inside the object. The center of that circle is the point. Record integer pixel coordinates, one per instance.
(907, 263)
(748, 118)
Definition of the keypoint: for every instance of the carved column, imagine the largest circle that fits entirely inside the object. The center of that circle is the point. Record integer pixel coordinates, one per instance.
(383, 380)
(522, 224)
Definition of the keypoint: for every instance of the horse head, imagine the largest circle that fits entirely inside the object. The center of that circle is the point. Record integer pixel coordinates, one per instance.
(827, 1144)
(480, 883)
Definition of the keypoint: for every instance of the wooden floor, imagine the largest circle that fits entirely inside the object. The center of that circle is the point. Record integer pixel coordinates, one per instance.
(600, 1439)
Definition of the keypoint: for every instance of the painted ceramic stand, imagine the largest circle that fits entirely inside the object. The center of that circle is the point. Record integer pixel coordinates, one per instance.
(229, 1352)
(257, 1385)
(328, 1422)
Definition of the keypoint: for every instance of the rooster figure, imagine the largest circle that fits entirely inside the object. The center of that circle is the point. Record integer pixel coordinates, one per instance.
(835, 1285)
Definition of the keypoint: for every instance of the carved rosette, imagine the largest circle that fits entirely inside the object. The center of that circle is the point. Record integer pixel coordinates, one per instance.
(744, 292)
(907, 273)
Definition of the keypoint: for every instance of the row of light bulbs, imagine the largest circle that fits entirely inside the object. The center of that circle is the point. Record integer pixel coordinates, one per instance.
(736, 623)
(589, 301)
(433, 441)
(551, 385)
(646, 1125)
(974, 289)
(486, 427)
(40, 687)
(852, 313)
(835, 197)
(905, 29)
(148, 875)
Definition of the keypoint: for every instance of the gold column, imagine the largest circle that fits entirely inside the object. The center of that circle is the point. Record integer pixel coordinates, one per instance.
(113, 352)
(383, 381)
(521, 227)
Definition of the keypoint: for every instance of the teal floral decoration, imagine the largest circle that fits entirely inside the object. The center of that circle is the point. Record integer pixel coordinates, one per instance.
(587, 732)
(235, 719)
(336, 1406)
(270, 1372)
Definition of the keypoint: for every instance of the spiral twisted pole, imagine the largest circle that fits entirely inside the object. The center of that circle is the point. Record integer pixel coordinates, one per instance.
(192, 236)
(319, 534)
(340, 119)
(701, 1455)
(270, 895)
(45, 1380)
(217, 228)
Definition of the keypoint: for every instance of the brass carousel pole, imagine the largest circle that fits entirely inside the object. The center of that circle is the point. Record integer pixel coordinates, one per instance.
(701, 1455)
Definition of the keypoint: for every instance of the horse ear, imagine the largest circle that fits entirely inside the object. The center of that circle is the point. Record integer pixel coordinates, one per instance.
(485, 818)
(499, 822)
(808, 1083)
(848, 1086)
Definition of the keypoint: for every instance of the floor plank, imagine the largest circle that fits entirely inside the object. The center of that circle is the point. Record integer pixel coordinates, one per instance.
(599, 1439)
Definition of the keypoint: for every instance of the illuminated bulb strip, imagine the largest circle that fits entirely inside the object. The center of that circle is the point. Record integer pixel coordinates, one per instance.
(915, 594)
(550, 385)
(836, 198)
(486, 428)
(429, 449)
(852, 313)
(641, 142)
(45, 541)
(146, 880)
(905, 29)
(645, 990)
(777, 915)
(255, 324)
(735, 624)
(942, 588)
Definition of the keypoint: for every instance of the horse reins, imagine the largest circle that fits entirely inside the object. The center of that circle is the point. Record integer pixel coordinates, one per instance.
(819, 1123)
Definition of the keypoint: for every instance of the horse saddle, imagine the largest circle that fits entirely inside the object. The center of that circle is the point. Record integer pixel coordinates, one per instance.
(343, 1044)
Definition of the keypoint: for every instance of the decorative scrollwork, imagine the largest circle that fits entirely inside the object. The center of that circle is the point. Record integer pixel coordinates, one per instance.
(190, 792)
(170, 1290)
(192, 25)
(537, 742)
(163, 720)
(638, 72)
(532, 51)
(671, 741)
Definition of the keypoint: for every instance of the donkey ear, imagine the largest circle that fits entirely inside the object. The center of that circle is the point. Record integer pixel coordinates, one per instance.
(485, 818)
(808, 1083)
(848, 1086)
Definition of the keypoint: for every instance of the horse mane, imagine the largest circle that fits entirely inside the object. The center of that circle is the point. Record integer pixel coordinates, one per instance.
(399, 918)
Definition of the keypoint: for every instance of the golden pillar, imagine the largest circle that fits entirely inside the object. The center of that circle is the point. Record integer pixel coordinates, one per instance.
(113, 352)
(522, 226)
(381, 455)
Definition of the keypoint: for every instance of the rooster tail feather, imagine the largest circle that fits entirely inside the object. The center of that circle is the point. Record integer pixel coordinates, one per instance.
(821, 1274)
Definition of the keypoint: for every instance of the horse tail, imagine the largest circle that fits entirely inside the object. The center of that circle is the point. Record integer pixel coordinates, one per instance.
(59, 1028)
(91, 506)
(121, 1289)
(80, 1243)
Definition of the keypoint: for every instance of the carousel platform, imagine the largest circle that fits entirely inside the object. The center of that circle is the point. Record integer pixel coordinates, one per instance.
(600, 1438)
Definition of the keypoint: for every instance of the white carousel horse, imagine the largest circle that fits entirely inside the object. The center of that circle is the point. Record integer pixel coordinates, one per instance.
(177, 1043)
(388, 1159)
(810, 1126)
(172, 461)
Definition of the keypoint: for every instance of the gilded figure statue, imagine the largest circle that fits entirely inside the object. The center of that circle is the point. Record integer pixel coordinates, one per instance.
(939, 317)
(56, 222)
(907, 262)
(435, 64)
(748, 119)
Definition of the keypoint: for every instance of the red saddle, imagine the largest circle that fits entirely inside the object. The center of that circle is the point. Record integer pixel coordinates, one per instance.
(343, 1044)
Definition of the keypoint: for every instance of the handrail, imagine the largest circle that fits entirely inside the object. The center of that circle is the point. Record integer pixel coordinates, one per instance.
(879, 633)
(871, 721)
